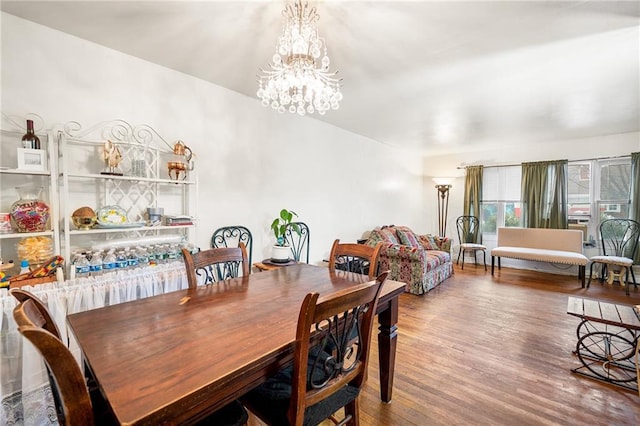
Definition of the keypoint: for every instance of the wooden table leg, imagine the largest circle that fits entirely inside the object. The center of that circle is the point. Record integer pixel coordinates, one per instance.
(387, 341)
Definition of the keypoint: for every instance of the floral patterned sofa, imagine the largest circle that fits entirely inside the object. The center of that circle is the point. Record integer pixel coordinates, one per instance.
(421, 261)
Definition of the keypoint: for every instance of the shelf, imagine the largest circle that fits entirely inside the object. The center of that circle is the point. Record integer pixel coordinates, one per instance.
(44, 174)
(81, 158)
(129, 178)
(26, 234)
(138, 229)
(24, 172)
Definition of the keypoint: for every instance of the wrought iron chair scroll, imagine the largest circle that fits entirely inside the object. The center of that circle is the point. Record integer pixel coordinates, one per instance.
(619, 239)
(358, 258)
(216, 264)
(323, 381)
(299, 242)
(468, 228)
(232, 236)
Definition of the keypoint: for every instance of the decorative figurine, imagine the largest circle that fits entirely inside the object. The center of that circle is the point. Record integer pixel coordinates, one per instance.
(182, 162)
(112, 158)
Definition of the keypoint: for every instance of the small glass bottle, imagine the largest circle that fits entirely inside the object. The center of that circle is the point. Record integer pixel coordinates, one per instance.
(30, 140)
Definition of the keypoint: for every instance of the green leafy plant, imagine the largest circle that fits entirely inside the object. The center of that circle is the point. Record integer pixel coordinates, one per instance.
(279, 225)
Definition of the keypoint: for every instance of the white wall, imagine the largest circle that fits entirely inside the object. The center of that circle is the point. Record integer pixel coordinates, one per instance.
(251, 161)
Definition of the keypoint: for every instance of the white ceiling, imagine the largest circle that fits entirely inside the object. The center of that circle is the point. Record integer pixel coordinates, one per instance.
(437, 76)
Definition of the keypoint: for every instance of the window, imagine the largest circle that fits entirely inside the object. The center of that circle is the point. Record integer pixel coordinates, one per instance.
(501, 205)
(598, 190)
(613, 194)
(579, 191)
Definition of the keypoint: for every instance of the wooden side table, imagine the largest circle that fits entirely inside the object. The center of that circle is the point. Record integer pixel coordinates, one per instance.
(268, 265)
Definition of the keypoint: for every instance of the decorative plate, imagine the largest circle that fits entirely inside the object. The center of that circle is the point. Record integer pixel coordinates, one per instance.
(120, 225)
(112, 215)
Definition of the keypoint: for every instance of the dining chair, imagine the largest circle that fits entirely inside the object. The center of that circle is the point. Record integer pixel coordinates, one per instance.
(215, 264)
(322, 382)
(232, 236)
(352, 257)
(73, 401)
(75, 404)
(619, 239)
(40, 315)
(468, 228)
(299, 241)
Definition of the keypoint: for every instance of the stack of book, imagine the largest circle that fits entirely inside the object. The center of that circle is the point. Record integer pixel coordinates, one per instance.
(178, 220)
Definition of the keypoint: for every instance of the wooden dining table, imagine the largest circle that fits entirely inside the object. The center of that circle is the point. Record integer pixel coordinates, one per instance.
(177, 357)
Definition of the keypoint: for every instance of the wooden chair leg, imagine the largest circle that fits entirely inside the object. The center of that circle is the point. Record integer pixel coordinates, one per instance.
(352, 409)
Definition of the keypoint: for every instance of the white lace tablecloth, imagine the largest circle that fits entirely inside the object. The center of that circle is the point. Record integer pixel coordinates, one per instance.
(24, 388)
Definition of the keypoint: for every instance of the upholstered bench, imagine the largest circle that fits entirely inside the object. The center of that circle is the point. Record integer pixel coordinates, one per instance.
(541, 245)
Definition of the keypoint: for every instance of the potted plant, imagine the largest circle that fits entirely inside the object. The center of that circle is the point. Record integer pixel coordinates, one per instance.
(281, 250)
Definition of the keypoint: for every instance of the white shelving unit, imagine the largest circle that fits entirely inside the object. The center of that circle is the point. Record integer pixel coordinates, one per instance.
(82, 184)
(11, 132)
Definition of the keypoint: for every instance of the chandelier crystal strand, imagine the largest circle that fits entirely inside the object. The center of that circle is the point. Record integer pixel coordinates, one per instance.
(298, 79)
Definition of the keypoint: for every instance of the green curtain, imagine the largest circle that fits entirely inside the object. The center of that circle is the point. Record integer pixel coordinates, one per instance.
(544, 194)
(634, 193)
(473, 191)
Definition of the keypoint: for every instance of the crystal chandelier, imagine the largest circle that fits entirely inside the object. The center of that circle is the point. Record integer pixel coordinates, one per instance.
(295, 81)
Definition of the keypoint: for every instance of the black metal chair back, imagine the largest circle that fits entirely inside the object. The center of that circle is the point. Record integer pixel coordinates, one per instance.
(330, 360)
(232, 236)
(619, 237)
(468, 228)
(299, 241)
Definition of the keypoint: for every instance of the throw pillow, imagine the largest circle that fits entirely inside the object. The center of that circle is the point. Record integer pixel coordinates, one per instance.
(374, 238)
(428, 242)
(389, 235)
(408, 238)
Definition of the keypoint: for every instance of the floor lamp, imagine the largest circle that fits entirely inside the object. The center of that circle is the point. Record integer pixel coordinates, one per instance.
(443, 187)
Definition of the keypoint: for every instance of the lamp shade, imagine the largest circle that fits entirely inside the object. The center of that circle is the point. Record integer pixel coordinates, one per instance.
(443, 180)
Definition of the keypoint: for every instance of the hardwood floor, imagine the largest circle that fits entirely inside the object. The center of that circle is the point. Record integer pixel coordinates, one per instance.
(483, 350)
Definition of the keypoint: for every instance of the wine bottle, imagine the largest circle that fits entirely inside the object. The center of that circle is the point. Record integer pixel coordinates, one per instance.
(30, 140)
